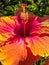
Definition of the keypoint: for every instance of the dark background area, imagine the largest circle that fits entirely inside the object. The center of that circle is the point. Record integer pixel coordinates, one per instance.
(38, 7)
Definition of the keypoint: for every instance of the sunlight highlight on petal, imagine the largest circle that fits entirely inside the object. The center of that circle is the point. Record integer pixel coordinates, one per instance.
(6, 24)
(38, 46)
(9, 19)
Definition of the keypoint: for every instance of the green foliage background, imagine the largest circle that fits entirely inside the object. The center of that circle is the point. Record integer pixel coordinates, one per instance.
(38, 7)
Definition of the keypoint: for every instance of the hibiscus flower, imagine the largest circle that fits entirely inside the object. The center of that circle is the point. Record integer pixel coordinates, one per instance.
(23, 39)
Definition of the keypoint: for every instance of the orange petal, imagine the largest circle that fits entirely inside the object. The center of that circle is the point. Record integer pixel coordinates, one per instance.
(38, 45)
(6, 38)
(13, 53)
(44, 27)
(7, 24)
(31, 59)
(40, 28)
(43, 18)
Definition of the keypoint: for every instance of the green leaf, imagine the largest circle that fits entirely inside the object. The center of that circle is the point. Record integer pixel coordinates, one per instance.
(39, 1)
(1, 14)
(32, 7)
(16, 7)
(5, 12)
(9, 8)
(47, 10)
(7, 1)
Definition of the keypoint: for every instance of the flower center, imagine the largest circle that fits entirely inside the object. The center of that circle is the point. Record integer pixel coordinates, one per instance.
(22, 31)
(23, 23)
